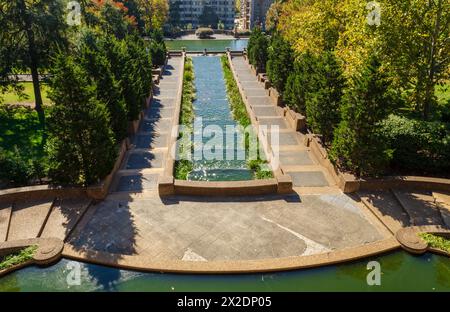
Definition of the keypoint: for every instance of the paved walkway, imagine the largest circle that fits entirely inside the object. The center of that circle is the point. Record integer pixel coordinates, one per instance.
(205, 229)
(295, 159)
(145, 162)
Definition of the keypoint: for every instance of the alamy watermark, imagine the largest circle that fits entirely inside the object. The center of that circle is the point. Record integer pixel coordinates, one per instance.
(73, 13)
(374, 276)
(374, 16)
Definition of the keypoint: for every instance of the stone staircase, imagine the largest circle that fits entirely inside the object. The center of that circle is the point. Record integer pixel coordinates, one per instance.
(45, 217)
(295, 158)
(146, 159)
(400, 208)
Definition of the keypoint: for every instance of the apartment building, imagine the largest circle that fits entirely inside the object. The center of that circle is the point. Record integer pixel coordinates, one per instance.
(190, 11)
(253, 12)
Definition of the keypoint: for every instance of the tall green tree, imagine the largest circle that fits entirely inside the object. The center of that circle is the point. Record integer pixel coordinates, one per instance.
(323, 98)
(257, 49)
(31, 32)
(280, 61)
(81, 144)
(109, 91)
(414, 39)
(357, 147)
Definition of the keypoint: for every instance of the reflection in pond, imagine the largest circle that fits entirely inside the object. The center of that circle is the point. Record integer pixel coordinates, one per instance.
(400, 272)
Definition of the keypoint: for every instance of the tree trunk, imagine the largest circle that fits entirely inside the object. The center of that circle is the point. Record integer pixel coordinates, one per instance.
(430, 85)
(33, 57)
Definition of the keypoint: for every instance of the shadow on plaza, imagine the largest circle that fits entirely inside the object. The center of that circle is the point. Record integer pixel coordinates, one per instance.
(106, 233)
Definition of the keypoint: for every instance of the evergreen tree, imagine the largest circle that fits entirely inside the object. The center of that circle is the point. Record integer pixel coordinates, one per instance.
(357, 147)
(324, 96)
(257, 49)
(280, 62)
(81, 144)
(298, 83)
(109, 91)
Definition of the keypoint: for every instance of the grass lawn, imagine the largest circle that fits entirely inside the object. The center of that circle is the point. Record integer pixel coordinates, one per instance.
(13, 98)
(20, 126)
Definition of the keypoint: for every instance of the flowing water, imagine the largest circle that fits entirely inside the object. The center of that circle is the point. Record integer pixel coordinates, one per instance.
(221, 156)
(400, 272)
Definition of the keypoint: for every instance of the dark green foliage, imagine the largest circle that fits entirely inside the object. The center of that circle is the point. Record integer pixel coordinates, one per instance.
(357, 146)
(280, 62)
(257, 49)
(419, 146)
(131, 66)
(298, 84)
(81, 144)
(324, 96)
(96, 64)
(16, 169)
(158, 52)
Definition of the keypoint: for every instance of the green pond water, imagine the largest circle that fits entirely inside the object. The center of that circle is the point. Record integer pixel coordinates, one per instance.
(212, 45)
(400, 272)
(216, 156)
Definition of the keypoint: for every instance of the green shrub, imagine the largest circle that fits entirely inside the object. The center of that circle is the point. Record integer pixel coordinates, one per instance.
(436, 241)
(257, 49)
(81, 145)
(280, 62)
(158, 52)
(184, 166)
(418, 145)
(204, 33)
(357, 146)
(17, 258)
(14, 168)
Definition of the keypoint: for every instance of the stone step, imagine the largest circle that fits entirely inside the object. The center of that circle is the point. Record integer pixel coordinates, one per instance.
(443, 202)
(308, 177)
(5, 219)
(64, 216)
(386, 208)
(420, 206)
(28, 218)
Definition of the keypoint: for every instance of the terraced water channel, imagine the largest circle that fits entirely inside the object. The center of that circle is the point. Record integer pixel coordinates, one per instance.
(221, 154)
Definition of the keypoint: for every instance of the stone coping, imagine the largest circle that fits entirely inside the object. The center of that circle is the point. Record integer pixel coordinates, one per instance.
(226, 188)
(143, 263)
(411, 241)
(48, 251)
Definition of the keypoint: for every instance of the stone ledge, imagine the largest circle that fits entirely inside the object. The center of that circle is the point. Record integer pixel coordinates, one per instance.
(48, 250)
(227, 188)
(143, 263)
(411, 241)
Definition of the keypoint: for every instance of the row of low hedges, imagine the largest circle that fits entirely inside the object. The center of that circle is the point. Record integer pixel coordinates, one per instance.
(258, 166)
(184, 166)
